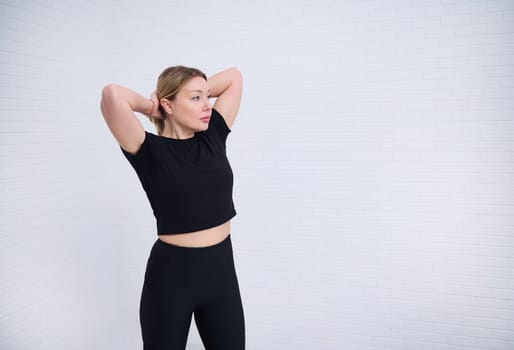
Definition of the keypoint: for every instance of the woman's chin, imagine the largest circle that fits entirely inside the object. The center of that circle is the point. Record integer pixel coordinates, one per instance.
(202, 127)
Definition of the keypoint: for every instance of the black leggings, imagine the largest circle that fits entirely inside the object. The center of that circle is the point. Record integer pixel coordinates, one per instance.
(180, 282)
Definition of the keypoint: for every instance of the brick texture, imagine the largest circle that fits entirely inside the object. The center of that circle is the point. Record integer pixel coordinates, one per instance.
(373, 160)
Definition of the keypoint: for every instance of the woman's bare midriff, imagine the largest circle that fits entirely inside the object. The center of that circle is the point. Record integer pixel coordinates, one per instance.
(198, 239)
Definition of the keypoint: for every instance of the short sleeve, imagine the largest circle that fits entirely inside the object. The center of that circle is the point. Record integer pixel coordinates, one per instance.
(141, 161)
(219, 125)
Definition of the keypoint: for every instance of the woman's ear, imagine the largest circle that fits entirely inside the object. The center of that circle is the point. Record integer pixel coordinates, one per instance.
(166, 105)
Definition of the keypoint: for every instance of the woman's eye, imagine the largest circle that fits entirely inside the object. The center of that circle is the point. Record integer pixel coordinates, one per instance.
(196, 98)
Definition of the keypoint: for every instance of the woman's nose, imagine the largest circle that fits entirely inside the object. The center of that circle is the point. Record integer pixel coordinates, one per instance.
(207, 104)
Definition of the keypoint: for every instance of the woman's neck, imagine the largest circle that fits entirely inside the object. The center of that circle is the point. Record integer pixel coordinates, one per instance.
(175, 131)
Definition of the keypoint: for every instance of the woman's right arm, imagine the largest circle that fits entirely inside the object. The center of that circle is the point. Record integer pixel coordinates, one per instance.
(118, 106)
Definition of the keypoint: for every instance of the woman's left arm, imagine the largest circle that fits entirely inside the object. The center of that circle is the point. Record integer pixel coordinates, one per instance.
(227, 87)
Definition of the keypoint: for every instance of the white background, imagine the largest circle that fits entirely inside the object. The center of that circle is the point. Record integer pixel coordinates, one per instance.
(373, 159)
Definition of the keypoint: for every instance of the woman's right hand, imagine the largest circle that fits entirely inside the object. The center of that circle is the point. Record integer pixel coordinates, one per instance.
(155, 111)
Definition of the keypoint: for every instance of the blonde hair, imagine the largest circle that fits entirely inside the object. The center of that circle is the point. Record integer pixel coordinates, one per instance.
(169, 83)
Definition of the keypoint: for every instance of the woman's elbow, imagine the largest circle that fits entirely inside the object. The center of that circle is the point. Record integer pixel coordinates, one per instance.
(109, 92)
(236, 74)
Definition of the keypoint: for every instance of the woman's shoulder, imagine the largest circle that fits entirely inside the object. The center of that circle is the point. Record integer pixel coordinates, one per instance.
(219, 123)
(149, 142)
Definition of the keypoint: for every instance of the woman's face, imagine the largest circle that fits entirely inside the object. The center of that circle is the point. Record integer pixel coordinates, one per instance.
(191, 108)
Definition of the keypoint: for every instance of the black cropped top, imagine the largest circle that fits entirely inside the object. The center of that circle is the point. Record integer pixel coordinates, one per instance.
(188, 182)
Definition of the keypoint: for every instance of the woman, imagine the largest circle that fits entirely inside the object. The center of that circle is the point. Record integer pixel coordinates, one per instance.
(188, 181)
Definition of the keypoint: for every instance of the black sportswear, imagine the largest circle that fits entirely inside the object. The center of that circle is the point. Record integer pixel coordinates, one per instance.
(188, 182)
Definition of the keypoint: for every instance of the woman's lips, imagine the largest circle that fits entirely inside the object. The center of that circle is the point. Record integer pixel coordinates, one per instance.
(205, 119)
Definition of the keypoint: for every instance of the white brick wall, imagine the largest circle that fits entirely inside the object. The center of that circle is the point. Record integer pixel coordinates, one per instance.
(374, 162)
(57, 256)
